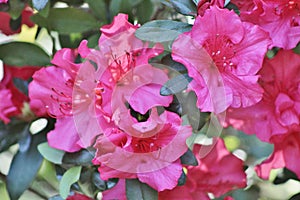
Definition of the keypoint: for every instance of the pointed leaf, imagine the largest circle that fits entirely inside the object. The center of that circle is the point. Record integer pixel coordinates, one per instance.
(53, 155)
(70, 176)
(23, 54)
(175, 85)
(185, 7)
(188, 158)
(137, 190)
(161, 30)
(83, 157)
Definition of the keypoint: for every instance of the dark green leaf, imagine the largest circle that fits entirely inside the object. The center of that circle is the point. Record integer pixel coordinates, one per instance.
(71, 176)
(136, 190)
(175, 85)
(21, 85)
(98, 182)
(182, 179)
(11, 133)
(67, 21)
(39, 4)
(144, 11)
(185, 7)
(24, 168)
(231, 6)
(15, 8)
(161, 30)
(93, 40)
(188, 158)
(83, 157)
(167, 60)
(284, 176)
(23, 54)
(98, 8)
(15, 24)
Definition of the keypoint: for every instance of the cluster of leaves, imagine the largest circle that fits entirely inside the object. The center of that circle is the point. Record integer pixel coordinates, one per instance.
(35, 162)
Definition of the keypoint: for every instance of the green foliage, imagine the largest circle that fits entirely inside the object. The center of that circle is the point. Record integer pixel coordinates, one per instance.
(185, 7)
(71, 176)
(188, 158)
(24, 166)
(83, 158)
(175, 85)
(51, 154)
(23, 54)
(136, 190)
(158, 31)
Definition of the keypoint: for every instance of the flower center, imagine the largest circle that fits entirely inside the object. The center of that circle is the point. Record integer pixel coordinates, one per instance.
(286, 8)
(221, 51)
(122, 64)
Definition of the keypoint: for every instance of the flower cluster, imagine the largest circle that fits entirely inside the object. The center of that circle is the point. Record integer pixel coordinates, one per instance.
(133, 114)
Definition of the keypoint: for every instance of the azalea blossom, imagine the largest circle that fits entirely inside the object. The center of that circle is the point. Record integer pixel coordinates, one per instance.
(280, 18)
(12, 99)
(3, 1)
(285, 154)
(5, 21)
(151, 148)
(222, 60)
(279, 111)
(244, 5)
(205, 4)
(7, 108)
(218, 173)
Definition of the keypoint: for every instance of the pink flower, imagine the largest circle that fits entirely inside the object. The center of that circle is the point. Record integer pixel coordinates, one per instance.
(280, 18)
(151, 149)
(279, 111)
(217, 173)
(5, 21)
(117, 192)
(286, 154)
(7, 108)
(12, 98)
(70, 95)
(205, 4)
(244, 5)
(3, 1)
(222, 60)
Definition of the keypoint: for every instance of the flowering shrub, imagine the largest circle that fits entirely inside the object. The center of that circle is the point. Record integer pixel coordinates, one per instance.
(170, 99)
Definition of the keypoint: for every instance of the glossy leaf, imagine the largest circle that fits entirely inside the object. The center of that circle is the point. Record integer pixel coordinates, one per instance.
(67, 21)
(144, 11)
(98, 8)
(70, 177)
(24, 167)
(137, 190)
(175, 85)
(15, 8)
(161, 30)
(53, 155)
(182, 179)
(11, 133)
(23, 54)
(83, 157)
(167, 60)
(188, 158)
(185, 7)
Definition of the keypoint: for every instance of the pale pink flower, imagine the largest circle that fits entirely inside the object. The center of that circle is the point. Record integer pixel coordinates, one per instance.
(286, 154)
(218, 173)
(151, 149)
(3, 1)
(279, 111)
(280, 18)
(222, 60)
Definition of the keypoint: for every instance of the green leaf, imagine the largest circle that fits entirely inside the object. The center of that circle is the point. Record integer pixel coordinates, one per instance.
(24, 167)
(175, 85)
(144, 11)
(98, 8)
(23, 54)
(136, 190)
(67, 21)
(83, 157)
(161, 30)
(3, 191)
(15, 8)
(39, 4)
(98, 182)
(11, 133)
(182, 179)
(53, 155)
(167, 60)
(70, 176)
(188, 158)
(185, 7)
